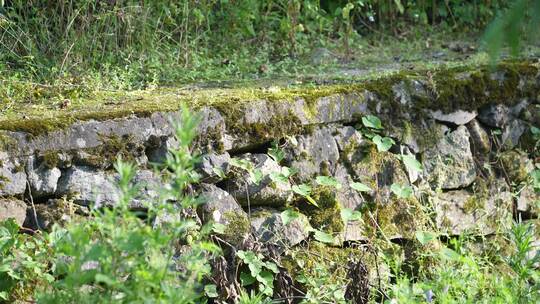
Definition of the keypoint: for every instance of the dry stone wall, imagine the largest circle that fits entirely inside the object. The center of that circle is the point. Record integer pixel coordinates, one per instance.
(473, 132)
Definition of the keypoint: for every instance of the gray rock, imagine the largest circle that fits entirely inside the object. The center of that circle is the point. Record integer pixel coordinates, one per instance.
(85, 186)
(479, 137)
(450, 163)
(159, 148)
(401, 93)
(42, 179)
(148, 185)
(12, 208)
(528, 201)
(213, 123)
(351, 199)
(53, 211)
(88, 134)
(531, 114)
(458, 211)
(220, 207)
(515, 165)
(512, 133)
(458, 117)
(317, 153)
(379, 170)
(494, 115)
(269, 228)
(267, 192)
(340, 108)
(212, 162)
(12, 176)
(347, 138)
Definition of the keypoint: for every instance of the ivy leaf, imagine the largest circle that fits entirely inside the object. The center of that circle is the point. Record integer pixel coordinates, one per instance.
(450, 254)
(219, 172)
(383, 143)
(276, 153)
(288, 216)
(219, 228)
(401, 191)
(241, 163)
(278, 177)
(348, 215)
(324, 237)
(360, 187)
(371, 121)
(303, 189)
(211, 291)
(535, 132)
(256, 176)
(328, 181)
(411, 163)
(424, 237)
(535, 174)
(246, 279)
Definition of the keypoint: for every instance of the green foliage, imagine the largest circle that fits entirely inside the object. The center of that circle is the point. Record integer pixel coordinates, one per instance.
(324, 237)
(373, 122)
(401, 191)
(360, 187)
(260, 271)
(304, 191)
(459, 275)
(132, 44)
(24, 263)
(383, 143)
(411, 163)
(513, 26)
(328, 181)
(118, 257)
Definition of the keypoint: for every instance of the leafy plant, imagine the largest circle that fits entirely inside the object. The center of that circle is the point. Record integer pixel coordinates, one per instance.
(305, 191)
(411, 163)
(383, 143)
(328, 181)
(119, 257)
(401, 191)
(24, 263)
(360, 187)
(373, 122)
(260, 271)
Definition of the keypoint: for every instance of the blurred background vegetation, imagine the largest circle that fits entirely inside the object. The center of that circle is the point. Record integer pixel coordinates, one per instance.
(136, 43)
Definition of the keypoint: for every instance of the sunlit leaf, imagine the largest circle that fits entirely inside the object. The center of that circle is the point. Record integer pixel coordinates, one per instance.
(401, 191)
(360, 187)
(411, 163)
(371, 121)
(328, 181)
(324, 237)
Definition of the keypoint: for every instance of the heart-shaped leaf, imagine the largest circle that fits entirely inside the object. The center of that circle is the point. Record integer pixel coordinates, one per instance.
(401, 191)
(371, 121)
(383, 143)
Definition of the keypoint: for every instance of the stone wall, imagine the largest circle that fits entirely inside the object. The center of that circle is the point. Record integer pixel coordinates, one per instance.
(471, 130)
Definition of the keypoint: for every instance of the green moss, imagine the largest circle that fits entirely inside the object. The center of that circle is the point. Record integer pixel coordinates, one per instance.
(236, 228)
(112, 147)
(466, 87)
(327, 216)
(331, 264)
(473, 204)
(50, 159)
(398, 218)
(515, 165)
(3, 181)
